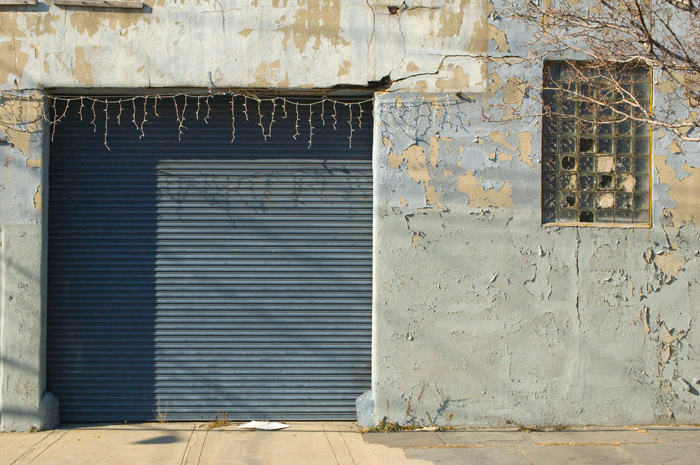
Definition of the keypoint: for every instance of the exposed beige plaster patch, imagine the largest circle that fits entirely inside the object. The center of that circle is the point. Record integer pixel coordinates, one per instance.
(500, 138)
(483, 32)
(411, 67)
(403, 201)
(491, 155)
(345, 69)
(415, 240)
(666, 87)
(265, 74)
(12, 59)
(20, 119)
(514, 92)
(459, 80)
(394, 160)
(477, 196)
(421, 86)
(37, 198)
(47, 67)
(503, 156)
(320, 20)
(668, 264)
(433, 196)
(89, 22)
(34, 162)
(451, 21)
(386, 142)
(434, 151)
(416, 166)
(675, 147)
(9, 160)
(38, 25)
(526, 148)
(686, 192)
(245, 32)
(82, 71)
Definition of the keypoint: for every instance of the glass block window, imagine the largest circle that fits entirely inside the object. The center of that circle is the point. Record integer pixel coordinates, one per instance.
(595, 161)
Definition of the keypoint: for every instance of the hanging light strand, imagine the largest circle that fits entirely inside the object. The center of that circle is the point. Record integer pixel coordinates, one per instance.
(58, 108)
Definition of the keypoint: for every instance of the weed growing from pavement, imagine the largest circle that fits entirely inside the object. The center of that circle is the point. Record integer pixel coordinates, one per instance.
(388, 426)
(161, 414)
(219, 423)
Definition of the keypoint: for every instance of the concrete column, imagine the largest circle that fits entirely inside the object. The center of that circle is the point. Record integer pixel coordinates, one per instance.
(24, 402)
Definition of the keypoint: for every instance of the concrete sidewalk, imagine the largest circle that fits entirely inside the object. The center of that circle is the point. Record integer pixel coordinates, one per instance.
(337, 443)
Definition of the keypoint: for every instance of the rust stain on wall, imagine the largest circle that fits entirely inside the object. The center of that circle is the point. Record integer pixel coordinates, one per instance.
(479, 197)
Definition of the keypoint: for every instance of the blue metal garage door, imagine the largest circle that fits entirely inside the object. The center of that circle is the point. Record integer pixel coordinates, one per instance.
(199, 277)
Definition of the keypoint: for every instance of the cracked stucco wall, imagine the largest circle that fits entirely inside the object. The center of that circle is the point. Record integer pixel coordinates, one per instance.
(482, 316)
(240, 43)
(485, 317)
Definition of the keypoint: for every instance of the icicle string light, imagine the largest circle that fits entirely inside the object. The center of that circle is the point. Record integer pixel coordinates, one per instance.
(206, 118)
(233, 119)
(145, 113)
(260, 120)
(311, 124)
(351, 130)
(272, 117)
(133, 114)
(296, 123)
(94, 116)
(106, 120)
(335, 116)
(58, 108)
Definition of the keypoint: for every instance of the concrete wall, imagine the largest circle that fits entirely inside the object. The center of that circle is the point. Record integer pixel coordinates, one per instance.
(482, 316)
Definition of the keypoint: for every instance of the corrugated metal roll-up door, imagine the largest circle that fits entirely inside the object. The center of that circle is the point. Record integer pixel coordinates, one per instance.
(195, 278)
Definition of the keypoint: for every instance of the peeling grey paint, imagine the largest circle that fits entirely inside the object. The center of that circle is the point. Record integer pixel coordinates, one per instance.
(482, 316)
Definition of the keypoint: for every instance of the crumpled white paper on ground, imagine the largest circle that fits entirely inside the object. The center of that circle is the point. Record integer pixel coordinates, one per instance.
(263, 425)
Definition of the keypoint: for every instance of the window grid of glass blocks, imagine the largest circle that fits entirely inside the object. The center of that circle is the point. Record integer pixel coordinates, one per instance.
(593, 172)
